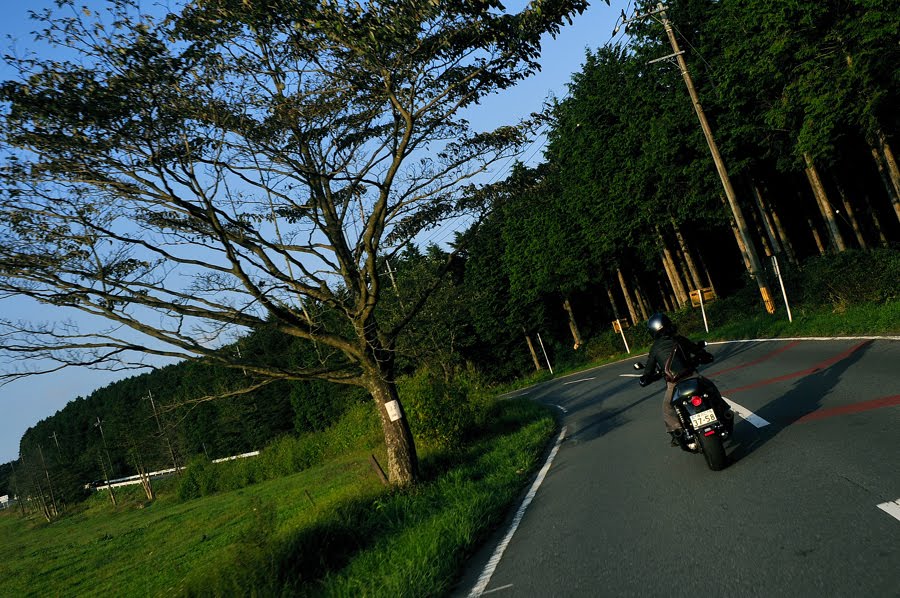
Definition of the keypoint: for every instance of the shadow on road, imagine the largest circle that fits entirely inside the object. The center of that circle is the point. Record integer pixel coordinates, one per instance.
(804, 398)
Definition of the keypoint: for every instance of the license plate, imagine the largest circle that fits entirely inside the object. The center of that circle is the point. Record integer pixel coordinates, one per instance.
(703, 418)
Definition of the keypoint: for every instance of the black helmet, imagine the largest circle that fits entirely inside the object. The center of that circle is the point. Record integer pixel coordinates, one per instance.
(660, 324)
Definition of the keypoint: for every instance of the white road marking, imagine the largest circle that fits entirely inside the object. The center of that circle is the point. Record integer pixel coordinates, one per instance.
(506, 587)
(561, 408)
(630, 375)
(747, 414)
(581, 380)
(891, 508)
(491, 566)
(807, 338)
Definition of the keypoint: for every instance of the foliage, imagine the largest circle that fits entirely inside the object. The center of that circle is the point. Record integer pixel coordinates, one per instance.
(203, 171)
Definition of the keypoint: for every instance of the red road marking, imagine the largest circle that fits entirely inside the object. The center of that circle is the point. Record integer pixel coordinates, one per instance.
(854, 408)
(760, 360)
(818, 367)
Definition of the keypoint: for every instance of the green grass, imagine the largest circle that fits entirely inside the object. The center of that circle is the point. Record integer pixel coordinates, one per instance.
(330, 530)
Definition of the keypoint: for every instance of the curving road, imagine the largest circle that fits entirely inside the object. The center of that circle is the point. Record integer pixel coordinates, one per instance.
(809, 507)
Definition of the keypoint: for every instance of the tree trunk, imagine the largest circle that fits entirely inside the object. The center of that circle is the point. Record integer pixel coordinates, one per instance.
(851, 216)
(892, 192)
(612, 301)
(766, 220)
(628, 302)
(892, 170)
(781, 232)
(402, 460)
(642, 304)
(706, 273)
(686, 254)
(816, 236)
(667, 297)
(534, 356)
(876, 222)
(815, 182)
(674, 277)
(573, 326)
(673, 283)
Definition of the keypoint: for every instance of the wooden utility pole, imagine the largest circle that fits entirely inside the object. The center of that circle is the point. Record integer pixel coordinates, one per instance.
(753, 263)
(534, 356)
(162, 433)
(55, 511)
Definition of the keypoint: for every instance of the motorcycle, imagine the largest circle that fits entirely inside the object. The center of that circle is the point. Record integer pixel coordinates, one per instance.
(705, 417)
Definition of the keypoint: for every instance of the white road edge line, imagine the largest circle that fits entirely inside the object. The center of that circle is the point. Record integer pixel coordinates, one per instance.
(747, 414)
(581, 380)
(491, 566)
(561, 408)
(629, 375)
(891, 508)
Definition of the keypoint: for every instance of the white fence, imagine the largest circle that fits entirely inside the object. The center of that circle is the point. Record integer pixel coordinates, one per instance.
(162, 473)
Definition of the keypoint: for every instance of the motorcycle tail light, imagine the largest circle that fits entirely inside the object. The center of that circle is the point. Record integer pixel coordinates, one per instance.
(696, 401)
(709, 432)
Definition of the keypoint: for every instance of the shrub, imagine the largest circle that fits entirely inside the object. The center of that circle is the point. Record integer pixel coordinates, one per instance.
(442, 407)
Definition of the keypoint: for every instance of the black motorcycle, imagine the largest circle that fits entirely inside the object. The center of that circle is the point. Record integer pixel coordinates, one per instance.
(705, 418)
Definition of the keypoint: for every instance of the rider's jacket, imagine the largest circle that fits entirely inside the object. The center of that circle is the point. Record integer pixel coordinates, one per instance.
(674, 357)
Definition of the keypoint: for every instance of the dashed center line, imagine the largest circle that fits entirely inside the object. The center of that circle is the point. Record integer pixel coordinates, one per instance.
(892, 508)
(580, 380)
(746, 414)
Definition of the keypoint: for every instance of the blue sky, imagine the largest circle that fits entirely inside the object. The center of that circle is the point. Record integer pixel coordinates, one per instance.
(25, 402)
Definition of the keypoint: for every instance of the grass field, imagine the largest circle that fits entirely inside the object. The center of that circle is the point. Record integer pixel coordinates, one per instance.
(332, 530)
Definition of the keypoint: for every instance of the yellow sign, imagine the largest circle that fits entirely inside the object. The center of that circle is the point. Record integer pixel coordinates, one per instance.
(708, 295)
(618, 325)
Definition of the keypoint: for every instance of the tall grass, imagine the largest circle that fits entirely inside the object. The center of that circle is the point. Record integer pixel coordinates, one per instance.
(329, 530)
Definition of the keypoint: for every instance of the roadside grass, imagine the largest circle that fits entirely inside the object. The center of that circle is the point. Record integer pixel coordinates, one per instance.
(331, 530)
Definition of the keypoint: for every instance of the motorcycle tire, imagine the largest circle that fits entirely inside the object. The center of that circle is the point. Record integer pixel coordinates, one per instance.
(714, 452)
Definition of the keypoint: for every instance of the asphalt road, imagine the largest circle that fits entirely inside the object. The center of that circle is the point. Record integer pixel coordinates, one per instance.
(620, 513)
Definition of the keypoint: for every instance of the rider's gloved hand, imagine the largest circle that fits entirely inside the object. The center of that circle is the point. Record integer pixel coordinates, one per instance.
(644, 380)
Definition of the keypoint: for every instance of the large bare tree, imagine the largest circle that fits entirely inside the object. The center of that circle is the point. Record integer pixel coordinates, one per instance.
(190, 177)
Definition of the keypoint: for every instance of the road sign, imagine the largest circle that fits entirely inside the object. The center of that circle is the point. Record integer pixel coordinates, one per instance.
(708, 295)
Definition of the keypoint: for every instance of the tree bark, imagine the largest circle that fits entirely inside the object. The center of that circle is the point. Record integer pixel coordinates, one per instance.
(816, 236)
(876, 222)
(612, 301)
(851, 216)
(674, 277)
(686, 254)
(628, 302)
(766, 221)
(892, 191)
(534, 356)
(818, 189)
(681, 297)
(573, 326)
(780, 233)
(642, 305)
(667, 297)
(402, 460)
(892, 169)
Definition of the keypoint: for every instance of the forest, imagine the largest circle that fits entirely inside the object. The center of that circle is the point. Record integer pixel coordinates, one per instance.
(624, 216)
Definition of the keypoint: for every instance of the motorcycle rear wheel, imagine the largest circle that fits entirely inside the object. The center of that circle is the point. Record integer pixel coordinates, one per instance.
(714, 452)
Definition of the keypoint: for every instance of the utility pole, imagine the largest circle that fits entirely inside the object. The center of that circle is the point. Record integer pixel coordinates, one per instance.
(754, 264)
(108, 476)
(55, 510)
(163, 433)
(56, 440)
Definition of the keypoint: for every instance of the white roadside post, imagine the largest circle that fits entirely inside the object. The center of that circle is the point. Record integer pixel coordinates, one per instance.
(547, 359)
(703, 310)
(783, 291)
(617, 327)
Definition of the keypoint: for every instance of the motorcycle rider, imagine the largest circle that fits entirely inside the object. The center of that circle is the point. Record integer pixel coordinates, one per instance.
(673, 357)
